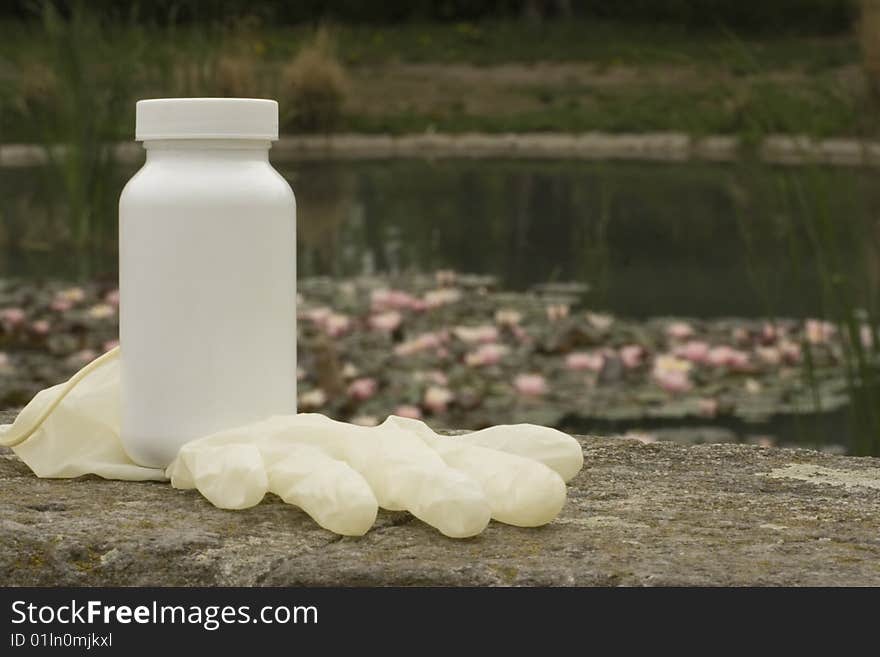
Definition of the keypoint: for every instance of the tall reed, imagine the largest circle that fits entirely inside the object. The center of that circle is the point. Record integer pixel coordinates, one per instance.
(824, 230)
(869, 40)
(75, 99)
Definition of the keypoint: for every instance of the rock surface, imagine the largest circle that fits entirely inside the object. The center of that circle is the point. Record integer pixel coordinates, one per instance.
(638, 514)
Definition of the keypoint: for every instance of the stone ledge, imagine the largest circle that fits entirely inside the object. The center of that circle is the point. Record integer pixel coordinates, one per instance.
(655, 514)
(662, 147)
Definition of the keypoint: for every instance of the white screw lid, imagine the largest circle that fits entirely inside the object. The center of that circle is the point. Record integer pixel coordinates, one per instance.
(206, 118)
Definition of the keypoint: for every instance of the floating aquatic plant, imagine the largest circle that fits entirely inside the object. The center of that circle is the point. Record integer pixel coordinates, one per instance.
(373, 346)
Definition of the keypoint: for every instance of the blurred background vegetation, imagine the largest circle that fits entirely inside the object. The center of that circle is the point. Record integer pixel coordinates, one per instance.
(698, 67)
(686, 239)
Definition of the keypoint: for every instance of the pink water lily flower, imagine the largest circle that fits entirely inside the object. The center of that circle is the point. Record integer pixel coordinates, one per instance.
(312, 399)
(791, 352)
(769, 355)
(441, 297)
(41, 327)
(507, 317)
(330, 322)
(336, 324)
(318, 315)
(386, 322)
(102, 311)
(12, 318)
(530, 385)
(437, 399)
(584, 360)
(432, 376)
(557, 311)
(60, 305)
(696, 351)
(476, 334)
(632, 355)
(739, 361)
(672, 373)
(772, 332)
(818, 332)
(387, 299)
(362, 389)
(866, 336)
(679, 330)
(672, 381)
(112, 297)
(72, 294)
(408, 410)
(725, 356)
(445, 277)
(486, 354)
(420, 343)
(671, 363)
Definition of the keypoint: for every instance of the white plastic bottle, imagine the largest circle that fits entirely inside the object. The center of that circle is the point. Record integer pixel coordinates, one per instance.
(207, 276)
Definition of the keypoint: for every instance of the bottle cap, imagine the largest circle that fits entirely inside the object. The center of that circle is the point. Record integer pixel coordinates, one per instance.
(206, 118)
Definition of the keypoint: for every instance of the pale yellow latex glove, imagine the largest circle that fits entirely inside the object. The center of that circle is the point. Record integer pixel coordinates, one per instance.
(338, 473)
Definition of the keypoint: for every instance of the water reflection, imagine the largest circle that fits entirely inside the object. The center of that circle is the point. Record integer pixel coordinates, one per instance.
(649, 239)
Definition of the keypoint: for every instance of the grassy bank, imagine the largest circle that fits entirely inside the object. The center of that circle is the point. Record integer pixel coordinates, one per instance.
(493, 77)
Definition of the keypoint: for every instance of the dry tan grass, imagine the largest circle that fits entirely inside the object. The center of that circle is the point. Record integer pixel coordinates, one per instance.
(314, 86)
(235, 76)
(38, 86)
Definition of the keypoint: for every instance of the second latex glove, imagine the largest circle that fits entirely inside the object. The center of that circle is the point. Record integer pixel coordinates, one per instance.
(340, 474)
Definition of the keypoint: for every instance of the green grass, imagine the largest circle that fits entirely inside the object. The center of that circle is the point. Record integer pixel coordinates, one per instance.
(816, 110)
(500, 42)
(785, 84)
(485, 44)
(604, 43)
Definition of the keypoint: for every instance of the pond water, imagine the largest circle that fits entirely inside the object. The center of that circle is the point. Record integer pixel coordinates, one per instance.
(686, 240)
(650, 239)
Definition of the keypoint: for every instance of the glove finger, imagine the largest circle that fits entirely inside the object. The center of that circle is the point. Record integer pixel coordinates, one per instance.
(558, 451)
(229, 476)
(440, 496)
(402, 472)
(330, 491)
(520, 491)
(406, 474)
